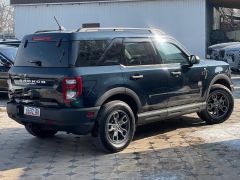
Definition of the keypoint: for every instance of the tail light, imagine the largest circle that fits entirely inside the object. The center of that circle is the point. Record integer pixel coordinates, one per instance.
(72, 88)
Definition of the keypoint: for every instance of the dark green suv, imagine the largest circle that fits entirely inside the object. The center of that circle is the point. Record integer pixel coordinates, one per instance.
(108, 81)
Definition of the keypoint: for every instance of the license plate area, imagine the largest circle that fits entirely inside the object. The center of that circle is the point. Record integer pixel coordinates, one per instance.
(31, 111)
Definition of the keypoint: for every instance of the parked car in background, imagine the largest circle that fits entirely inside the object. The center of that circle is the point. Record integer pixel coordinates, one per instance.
(7, 56)
(213, 51)
(231, 55)
(10, 42)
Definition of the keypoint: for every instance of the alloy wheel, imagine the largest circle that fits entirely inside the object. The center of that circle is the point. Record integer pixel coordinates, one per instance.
(118, 127)
(217, 105)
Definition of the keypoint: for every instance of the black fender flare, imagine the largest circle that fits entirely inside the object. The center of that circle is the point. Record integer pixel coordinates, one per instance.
(119, 91)
(219, 77)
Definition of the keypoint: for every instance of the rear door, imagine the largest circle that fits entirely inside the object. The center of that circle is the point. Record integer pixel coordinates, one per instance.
(144, 74)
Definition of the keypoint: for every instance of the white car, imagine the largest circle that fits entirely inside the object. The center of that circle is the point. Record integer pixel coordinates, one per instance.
(213, 51)
(231, 55)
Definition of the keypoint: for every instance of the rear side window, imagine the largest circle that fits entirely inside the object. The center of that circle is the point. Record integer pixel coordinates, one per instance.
(99, 53)
(139, 52)
(49, 53)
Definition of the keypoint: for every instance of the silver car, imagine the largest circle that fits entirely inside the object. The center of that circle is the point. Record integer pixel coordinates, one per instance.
(214, 50)
(231, 55)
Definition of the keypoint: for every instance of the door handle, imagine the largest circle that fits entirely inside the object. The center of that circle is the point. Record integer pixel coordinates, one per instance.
(176, 73)
(137, 77)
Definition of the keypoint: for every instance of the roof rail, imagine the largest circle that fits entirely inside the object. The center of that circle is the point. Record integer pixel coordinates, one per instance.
(151, 30)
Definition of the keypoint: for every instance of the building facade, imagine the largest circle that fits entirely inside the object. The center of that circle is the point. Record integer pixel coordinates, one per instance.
(186, 20)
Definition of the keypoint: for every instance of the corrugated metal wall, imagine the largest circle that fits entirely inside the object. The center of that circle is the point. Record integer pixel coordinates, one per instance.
(183, 19)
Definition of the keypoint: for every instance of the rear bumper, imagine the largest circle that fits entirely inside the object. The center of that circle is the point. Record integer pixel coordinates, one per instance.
(70, 120)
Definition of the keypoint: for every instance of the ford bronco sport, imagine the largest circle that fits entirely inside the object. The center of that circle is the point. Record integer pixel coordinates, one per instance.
(108, 81)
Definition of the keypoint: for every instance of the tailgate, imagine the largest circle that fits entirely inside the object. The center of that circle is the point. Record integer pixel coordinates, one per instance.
(37, 86)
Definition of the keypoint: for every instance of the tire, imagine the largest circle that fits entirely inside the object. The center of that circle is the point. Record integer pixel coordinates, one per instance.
(116, 126)
(220, 109)
(39, 131)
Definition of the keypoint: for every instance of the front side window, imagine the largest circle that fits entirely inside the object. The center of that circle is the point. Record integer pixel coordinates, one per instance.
(139, 53)
(170, 53)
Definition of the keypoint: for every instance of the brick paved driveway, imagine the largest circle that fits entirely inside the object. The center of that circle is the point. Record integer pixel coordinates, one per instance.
(182, 148)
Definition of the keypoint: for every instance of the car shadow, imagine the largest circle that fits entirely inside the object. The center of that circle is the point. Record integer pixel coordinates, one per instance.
(18, 149)
(42, 158)
(168, 125)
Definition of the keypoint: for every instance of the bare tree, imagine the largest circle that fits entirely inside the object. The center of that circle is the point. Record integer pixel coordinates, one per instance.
(6, 18)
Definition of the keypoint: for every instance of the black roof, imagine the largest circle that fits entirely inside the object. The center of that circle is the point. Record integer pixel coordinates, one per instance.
(51, 1)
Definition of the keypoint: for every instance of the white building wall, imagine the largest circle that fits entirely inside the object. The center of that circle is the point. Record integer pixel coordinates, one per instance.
(183, 19)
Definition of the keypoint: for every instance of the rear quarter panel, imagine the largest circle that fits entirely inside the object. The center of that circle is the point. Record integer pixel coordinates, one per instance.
(97, 81)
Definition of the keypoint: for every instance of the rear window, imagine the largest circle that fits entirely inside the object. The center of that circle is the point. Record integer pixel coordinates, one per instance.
(49, 54)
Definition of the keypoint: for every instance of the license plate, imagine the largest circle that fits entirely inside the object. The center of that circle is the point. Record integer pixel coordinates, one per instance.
(32, 111)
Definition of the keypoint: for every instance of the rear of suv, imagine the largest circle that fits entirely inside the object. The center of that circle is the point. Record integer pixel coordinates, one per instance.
(108, 81)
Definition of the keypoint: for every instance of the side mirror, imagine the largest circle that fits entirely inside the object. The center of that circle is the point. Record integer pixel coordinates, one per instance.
(194, 60)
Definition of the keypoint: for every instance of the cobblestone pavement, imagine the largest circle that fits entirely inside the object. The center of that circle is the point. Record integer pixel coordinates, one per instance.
(181, 148)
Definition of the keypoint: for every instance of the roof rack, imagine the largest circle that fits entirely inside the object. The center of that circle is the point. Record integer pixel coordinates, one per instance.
(151, 30)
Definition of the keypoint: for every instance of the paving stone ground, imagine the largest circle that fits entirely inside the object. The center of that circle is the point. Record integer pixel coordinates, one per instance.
(181, 148)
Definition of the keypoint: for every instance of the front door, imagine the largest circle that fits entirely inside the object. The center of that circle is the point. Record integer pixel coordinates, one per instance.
(184, 82)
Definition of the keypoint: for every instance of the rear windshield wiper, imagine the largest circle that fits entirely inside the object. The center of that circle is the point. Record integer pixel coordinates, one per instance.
(39, 63)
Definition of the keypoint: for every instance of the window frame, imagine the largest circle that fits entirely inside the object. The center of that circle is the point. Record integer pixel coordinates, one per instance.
(136, 40)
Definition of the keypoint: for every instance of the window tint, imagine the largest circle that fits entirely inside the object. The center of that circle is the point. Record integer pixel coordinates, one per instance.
(90, 52)
(112, 56)
(99, 53)
(47, 53)
(170, 53)
(139, 53)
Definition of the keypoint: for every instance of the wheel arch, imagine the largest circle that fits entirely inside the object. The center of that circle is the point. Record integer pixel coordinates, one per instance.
(124, 94)
(221, 79)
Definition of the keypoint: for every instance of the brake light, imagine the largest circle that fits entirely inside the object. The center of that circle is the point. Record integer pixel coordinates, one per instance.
(46, 38)
(72, 88)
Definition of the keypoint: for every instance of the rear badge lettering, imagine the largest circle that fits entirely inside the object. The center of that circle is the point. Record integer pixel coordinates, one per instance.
(30, 82)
